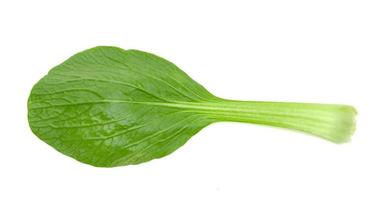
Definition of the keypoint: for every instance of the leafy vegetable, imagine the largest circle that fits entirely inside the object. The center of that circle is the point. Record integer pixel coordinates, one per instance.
(110, 107)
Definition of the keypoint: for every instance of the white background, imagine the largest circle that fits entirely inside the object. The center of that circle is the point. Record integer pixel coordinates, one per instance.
(309, 51)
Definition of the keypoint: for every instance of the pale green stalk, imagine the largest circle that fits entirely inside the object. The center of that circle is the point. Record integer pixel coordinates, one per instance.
(333, 122)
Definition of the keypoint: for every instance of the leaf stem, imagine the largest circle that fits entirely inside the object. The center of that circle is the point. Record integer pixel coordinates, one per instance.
(332, 122)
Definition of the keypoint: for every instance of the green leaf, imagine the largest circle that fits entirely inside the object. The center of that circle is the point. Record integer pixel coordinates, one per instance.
(110, 107)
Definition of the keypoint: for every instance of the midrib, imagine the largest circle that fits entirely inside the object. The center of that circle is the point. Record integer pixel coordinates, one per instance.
(233, 108)
(333, 122)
